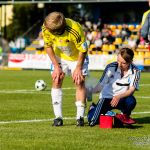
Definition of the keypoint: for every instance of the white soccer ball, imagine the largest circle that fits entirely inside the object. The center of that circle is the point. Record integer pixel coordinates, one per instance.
(40, 85)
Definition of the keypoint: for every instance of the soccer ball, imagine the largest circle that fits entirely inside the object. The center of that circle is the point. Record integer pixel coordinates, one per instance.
(40, 85)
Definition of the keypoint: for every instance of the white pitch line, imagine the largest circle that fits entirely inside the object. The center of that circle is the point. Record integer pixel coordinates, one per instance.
(23, 91)
(146, 112)
(32, 121)
(51, 119)
(144, 84)
(144, 97)
(24, 121)
(39, 92)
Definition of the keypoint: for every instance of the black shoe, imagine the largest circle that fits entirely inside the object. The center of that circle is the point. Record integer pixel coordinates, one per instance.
(58, 122)
(80, 122)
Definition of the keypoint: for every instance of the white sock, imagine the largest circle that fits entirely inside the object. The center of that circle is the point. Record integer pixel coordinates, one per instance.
(80, 109)
(57, 102)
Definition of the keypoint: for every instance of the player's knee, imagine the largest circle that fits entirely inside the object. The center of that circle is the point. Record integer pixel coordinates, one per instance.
(131, 101)
(57, 84)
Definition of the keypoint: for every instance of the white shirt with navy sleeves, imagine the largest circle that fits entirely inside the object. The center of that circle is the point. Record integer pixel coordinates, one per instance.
(113, 84)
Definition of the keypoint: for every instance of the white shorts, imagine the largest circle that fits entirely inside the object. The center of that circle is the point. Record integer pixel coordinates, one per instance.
(68, 67)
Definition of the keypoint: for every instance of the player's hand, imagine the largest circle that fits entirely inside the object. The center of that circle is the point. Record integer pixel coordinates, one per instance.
(57, 75)
(77, 76)
(114, 102)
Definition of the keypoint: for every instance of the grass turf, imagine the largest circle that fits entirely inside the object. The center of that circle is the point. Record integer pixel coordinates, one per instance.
(19, 101)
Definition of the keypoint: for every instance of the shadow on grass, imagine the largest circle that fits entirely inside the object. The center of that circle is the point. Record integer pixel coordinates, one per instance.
(143, 120)
(135, 126)
(132, 126)
(74, 124)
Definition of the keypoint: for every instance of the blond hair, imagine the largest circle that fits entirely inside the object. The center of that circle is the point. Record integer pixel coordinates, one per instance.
(55, 21)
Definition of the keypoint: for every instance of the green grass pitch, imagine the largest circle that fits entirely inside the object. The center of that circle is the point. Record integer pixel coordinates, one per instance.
(20, 105)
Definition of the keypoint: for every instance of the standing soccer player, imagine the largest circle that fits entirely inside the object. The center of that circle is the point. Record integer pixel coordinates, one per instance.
(66, 47)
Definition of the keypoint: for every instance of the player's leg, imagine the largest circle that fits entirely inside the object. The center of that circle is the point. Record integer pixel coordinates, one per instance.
(94, 113)
(56, 95)
(126, 105)
(80, 93)
(80, 103)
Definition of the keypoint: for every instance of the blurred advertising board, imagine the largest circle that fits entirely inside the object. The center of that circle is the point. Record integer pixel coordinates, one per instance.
(42, 61)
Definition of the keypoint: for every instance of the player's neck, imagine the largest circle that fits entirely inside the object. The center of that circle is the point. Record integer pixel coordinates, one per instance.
(124, 72)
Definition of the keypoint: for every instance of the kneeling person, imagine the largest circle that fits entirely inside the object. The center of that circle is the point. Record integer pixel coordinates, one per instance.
(116, 86)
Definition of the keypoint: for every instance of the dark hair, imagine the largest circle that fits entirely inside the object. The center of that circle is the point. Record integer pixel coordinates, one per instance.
(127, 54)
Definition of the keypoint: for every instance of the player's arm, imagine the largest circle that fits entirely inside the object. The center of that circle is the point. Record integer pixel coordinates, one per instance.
(52, 56)
(134, 85)
(117, 98)
(81, 45)
(77, 74)
(97, 88)
(48, 46)
(48, 42)
(57, 73)
(103, 80)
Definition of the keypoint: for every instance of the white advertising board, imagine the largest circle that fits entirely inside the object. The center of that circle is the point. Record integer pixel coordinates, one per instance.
(29, 61)
(33, 61)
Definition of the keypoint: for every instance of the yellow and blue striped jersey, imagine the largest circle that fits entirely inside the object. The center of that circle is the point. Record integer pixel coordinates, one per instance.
(68, 45)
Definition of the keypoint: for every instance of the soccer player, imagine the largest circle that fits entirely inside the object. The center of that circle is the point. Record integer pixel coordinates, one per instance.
(66, 47)
(145, 30)
(116, 86)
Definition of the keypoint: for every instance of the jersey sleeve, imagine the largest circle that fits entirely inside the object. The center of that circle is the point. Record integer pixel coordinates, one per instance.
(135, 80)
(79, 38)
(46, 36)
(106, 76)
